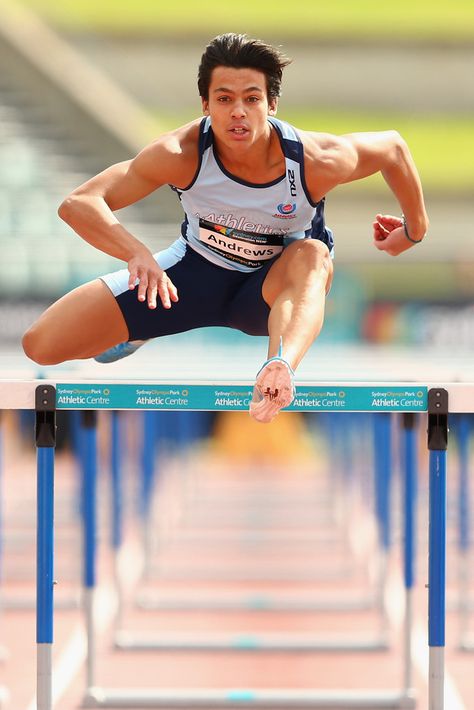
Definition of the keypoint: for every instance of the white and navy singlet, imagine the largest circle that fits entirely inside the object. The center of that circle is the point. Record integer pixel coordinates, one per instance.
(239, 225)
(232, 232)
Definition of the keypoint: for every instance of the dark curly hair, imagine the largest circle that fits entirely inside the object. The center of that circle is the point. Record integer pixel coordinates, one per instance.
(242, 52)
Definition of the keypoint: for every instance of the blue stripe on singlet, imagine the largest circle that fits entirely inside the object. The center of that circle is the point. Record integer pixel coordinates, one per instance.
(293, 149)
(318, 229)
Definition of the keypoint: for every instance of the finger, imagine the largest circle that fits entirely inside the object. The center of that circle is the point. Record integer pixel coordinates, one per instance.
(389, 219)
(132, 279)
(164, 295)
(379, 231)
(142, 287)
(152, 293)
(173, 291)
(380, 227)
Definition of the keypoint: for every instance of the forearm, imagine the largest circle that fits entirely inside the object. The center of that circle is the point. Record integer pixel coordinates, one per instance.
(92, 219)
(402, 177)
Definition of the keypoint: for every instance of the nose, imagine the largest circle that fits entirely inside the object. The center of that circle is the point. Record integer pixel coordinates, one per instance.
(238, 109)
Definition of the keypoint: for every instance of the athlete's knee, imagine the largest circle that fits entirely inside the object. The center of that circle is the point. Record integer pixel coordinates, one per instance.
(310, 258)
(311, 253)
(38, 348)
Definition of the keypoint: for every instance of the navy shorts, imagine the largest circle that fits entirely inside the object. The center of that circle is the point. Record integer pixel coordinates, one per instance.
(209, 295)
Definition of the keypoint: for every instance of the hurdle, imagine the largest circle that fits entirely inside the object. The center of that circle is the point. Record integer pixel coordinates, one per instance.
(47, 396)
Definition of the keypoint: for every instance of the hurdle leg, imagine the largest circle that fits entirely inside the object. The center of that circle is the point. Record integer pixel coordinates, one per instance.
(45, 406)
(383, 471)
(146, 491)
(409, 506)
(116, 509)
(89, 513)
(463, 432)
(437, 445)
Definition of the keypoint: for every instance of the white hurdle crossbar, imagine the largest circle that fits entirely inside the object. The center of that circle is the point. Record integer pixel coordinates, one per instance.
(45, 397)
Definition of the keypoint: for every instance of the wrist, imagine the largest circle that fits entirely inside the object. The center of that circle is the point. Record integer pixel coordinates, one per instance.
(414, 234)
(138, 250)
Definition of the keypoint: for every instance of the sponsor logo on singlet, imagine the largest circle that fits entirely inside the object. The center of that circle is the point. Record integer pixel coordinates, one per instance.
(286, 210)
(251, 249)
(292, 182)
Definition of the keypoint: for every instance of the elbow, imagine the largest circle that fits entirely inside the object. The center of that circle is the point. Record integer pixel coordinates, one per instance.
(400, 151)
(71, 207)
(66, 209)
(398, 139)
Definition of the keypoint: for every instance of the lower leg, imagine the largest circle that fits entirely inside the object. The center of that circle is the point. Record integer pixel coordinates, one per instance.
(297, 310)
(296, 320)
(83, 323)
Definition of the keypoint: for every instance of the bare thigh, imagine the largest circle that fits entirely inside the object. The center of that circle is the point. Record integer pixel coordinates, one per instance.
(302, 260)
(83, 323)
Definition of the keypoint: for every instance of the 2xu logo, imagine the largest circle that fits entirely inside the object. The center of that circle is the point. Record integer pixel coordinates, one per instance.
(292, 181)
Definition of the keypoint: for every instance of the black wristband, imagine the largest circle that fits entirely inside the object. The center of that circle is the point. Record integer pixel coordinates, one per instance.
(413, 241)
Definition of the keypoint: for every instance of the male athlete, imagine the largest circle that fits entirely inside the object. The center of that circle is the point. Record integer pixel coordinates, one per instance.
(254, 252)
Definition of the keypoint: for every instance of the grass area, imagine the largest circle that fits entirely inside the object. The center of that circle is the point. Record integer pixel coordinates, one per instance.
(438, 144)
(420, 20)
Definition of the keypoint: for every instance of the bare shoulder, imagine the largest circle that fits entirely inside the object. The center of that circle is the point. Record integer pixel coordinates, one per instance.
(171, 158)
(325, 150)
(328, 159)
(331, 160)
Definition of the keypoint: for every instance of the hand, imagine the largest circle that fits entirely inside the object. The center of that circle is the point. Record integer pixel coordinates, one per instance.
(389, 235)
(152, 280)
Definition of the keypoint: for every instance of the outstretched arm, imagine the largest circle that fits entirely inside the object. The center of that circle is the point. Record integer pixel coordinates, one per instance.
(341, 159)
(89, 210)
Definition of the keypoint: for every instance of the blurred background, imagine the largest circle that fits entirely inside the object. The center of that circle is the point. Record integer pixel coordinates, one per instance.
(86, 84)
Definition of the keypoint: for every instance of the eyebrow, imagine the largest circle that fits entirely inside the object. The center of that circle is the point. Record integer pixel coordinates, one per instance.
(230, 91)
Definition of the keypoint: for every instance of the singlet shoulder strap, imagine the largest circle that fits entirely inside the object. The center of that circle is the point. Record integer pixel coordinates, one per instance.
(293, 149)
(290, 141)
(205, 135)
(205, 140)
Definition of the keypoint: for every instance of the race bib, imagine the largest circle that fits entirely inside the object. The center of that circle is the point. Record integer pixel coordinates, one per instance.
(247, 248)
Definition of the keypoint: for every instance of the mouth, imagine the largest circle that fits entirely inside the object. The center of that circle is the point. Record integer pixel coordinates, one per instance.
(239, 131)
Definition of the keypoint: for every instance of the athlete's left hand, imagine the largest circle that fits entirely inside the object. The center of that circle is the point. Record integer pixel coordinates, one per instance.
(389, 235)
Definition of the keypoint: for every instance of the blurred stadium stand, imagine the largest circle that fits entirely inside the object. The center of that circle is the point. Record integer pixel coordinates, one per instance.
(63, 119)
(50, 142)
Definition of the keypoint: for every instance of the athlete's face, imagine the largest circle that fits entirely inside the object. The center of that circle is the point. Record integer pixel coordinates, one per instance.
(239, 106)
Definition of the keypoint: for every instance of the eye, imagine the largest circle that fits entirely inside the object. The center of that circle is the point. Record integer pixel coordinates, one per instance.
(253, 99)
(222, 99)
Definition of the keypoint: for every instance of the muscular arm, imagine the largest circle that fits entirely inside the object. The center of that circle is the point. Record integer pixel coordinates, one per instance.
(89, 209)
(334, 160)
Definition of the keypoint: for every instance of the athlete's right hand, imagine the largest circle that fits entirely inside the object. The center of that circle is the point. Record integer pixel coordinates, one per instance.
(151, 280)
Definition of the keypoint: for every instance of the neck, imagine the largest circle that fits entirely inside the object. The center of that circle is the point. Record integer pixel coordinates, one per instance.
(257, 162)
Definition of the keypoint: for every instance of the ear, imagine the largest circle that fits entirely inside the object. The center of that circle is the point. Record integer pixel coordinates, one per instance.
(272, 107)
(205, 106)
